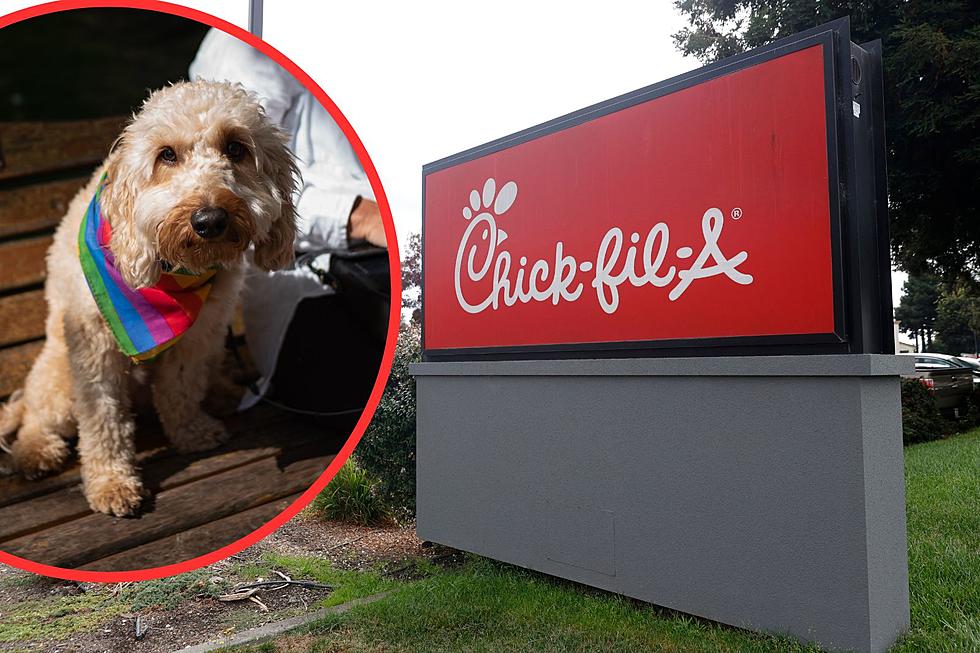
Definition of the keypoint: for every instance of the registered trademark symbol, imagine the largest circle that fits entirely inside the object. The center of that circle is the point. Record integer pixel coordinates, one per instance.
(736, 213)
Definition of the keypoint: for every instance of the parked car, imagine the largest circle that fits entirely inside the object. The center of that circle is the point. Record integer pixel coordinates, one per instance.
(951, 379)
(940, 361)
(972, 362)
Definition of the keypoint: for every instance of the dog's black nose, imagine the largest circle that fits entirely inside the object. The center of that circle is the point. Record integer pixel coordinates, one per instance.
(210, 221)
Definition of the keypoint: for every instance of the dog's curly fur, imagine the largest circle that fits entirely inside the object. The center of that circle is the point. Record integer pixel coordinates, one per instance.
(81, 382)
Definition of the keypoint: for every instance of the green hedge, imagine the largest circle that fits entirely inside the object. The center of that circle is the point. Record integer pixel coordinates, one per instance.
(921, 420)
(972, 418)
(387, 450)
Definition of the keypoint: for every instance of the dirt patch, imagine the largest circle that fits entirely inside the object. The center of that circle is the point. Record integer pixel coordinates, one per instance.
(194, 621)
(18, 586)
(347, 546)
(97, 618)
(94, 618)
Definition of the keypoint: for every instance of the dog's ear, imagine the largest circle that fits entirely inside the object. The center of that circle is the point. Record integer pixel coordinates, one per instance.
(276, 250)
(116, 143)
(136, 257)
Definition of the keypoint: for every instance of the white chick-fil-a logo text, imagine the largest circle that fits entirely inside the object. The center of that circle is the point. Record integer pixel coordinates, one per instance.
(616, 261)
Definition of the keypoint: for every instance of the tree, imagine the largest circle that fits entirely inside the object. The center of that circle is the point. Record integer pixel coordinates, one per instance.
(958, 321)
(412, 279)
(932, 106)
(917, 310)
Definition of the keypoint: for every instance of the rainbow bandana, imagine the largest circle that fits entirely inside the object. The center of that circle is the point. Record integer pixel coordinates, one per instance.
(147, 321)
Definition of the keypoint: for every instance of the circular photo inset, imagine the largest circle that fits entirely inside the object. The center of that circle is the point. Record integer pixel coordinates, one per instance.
(197, 266)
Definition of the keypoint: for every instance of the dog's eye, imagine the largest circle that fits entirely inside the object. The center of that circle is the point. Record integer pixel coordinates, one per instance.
(234, 150)
(168, 155)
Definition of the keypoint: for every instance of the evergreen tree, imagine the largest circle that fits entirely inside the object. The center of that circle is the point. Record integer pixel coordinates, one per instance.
(918, 309)
(412, 279)
(958, 321)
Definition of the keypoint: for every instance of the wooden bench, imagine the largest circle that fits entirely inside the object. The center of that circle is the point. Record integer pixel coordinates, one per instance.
(42, 166)
(197, 503)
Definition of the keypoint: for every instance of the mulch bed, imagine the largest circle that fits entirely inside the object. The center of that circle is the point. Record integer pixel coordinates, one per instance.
(347, 546)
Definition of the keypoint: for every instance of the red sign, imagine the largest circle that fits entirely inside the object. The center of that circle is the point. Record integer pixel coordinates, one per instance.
(703, 213)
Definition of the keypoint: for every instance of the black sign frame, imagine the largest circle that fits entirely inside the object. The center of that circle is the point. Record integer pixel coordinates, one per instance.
(857, 190)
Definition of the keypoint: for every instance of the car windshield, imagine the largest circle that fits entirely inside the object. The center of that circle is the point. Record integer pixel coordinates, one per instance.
(936, 362)
(969, 362)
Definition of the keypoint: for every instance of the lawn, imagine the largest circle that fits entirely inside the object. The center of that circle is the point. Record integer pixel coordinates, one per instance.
(483, 605)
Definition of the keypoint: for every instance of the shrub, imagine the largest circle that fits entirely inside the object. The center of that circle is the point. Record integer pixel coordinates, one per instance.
(387, 450)
(921, 420)
(975, 403)
(971, 419)
(168, 593)
(351, 496)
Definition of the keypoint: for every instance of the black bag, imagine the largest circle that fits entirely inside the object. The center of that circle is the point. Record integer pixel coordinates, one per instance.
(333, 348)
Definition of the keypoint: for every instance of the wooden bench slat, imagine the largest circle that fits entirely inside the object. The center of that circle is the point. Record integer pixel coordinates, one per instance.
(90, 538)
(150, 446)
(15, 363)
(28, 148)
(22, 317)
(193, 542)
(38, 206)
(164, 473)
(22, 262)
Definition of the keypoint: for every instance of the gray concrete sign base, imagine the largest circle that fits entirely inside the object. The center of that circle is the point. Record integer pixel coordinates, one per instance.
(761, 492)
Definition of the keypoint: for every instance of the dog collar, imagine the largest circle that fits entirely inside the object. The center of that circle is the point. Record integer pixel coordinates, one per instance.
(145, 321)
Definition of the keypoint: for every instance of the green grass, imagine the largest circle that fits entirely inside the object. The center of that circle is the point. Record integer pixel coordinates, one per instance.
(942, 492)
(489, 606)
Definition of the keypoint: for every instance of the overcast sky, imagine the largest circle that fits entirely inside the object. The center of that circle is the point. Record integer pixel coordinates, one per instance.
(419, 81)
(419, 85)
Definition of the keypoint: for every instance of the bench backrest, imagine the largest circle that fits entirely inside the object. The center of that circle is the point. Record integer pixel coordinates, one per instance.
(42, 166)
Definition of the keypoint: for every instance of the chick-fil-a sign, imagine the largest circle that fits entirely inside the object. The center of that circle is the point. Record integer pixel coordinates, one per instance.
(700, 214)
(542, 282)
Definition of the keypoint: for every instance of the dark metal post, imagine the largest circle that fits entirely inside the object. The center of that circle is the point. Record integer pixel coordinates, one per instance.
(255, 17)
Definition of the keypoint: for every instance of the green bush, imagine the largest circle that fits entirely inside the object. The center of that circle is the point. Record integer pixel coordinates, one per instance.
(921, 420)
(351, 496)
(972, 418)
(387, 451)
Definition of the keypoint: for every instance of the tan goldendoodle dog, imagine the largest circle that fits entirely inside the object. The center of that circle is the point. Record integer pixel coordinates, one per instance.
(143, 276)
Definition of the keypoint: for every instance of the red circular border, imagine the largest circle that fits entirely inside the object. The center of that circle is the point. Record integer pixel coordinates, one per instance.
(393, 321)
